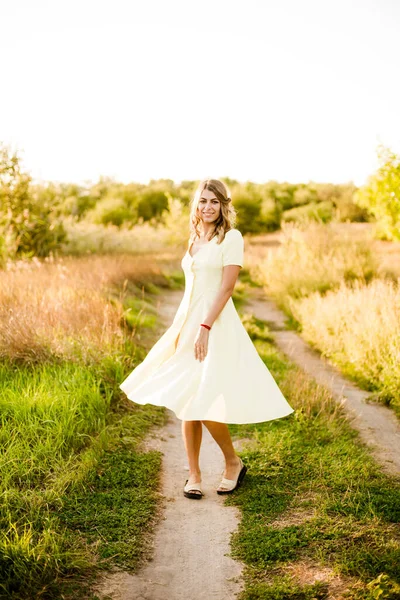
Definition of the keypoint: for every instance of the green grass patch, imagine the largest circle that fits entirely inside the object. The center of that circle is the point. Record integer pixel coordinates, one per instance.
(77, 494)
(117, 507)
(75, 491)
(313, 495)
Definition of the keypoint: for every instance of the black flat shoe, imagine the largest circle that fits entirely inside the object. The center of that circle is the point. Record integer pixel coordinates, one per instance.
(188, 490)
(233, 484)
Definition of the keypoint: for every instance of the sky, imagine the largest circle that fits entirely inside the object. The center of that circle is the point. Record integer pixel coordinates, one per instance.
(256, 90)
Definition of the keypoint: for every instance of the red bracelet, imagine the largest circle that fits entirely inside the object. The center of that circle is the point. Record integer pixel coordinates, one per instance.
(204, 325)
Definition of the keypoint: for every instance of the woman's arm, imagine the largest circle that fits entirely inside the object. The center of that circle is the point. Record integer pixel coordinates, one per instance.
(229, 276)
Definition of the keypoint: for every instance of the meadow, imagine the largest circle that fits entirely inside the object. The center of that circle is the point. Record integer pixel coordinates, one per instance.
(319, 517)
(339, 287)
(74, 494)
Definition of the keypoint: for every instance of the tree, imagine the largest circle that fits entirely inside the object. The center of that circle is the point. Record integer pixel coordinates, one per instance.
(25, 221)
(381, 194)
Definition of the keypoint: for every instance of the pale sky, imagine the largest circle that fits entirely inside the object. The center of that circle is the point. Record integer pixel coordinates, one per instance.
(255, 90)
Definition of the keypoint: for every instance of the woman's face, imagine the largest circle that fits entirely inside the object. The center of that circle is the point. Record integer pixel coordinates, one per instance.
(209, 207)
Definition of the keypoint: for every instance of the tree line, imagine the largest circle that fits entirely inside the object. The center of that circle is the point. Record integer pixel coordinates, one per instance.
(32, 214)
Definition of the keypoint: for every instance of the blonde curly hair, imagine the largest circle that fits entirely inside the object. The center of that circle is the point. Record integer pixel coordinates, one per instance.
(227, 216)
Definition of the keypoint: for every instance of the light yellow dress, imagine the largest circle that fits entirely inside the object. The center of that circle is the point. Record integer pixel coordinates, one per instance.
(232, 384)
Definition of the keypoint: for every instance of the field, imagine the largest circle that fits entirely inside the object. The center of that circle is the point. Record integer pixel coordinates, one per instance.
(70, 331)
(340, 289)
(319, 516)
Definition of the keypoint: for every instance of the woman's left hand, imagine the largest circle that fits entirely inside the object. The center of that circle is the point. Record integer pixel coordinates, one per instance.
(201, 344)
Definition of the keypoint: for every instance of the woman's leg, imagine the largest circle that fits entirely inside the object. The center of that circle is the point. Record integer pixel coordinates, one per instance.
(192, 432)
(221, 435)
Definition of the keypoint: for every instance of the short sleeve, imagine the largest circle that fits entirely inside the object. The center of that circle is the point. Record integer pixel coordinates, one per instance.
(233, 248)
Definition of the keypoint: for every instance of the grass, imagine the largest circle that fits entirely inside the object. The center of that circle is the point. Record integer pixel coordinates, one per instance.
(85, 238)
(318, 516)
(363, 342)
(314, 258)
(56, 538)
(72, 308)
(343, 300)
(74, 484)
(70, 472)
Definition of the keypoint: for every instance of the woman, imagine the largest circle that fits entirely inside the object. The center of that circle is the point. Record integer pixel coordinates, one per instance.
(205, 367)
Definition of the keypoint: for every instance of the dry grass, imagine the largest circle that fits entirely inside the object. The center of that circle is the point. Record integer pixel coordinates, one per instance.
(306, 572)
(85, 238)
(62, 308)
(309, 399)
(359, 329)
(386, 254)
(88, 238)
(316, 258)
(341, 286)
(303, 508)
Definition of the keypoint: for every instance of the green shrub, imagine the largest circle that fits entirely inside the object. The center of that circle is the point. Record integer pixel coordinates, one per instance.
(248, 206)
(321, 212)
(114, 211)
(27, 222)
(151, 203)
(381, 195)
(304, 195)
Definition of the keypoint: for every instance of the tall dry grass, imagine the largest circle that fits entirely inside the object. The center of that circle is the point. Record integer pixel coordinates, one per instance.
(88, 238)
(359, 329)
(65, 346)
(345, 299)
(314, 258)
(68, 308)
(84, 238)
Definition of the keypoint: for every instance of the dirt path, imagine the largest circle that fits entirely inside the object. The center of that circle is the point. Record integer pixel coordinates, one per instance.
(192, 541)
(377, 424)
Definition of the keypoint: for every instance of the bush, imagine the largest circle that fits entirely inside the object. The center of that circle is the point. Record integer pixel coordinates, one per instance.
(321, 212)
(342, 198)
(381, 195)
(270, 215)
(282, 193)
(151, 203)
(304, 195)
(248, 207)
(128, 205)
(114, 211)
(27, 222)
